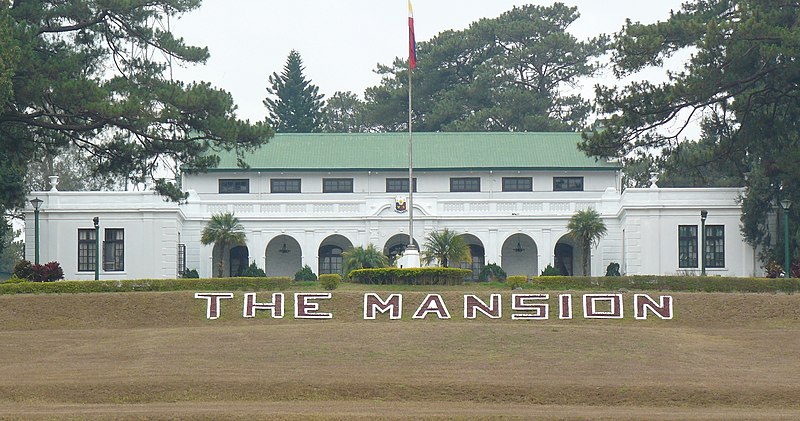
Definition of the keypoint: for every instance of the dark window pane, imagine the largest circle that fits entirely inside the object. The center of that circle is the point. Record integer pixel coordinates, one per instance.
(398, 185)
(715, 246)
(517, 184)
(285, 185)
(337, 185)
(687, 246)
(87, 250)
(465, 184)
(234, 186)
(114, 250)
(567, 183)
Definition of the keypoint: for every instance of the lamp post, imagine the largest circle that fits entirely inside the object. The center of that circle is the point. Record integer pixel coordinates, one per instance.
(787, 270)
(703, 216)
(37, 203)
(96, 221)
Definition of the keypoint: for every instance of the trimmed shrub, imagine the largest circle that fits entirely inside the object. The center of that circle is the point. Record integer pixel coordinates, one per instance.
(410, 276)
(517, 281)
(205, 284)
(305, 274)
(190, 274)
(613, 269)
(23, 269)
(492, 272)
(330, 281)
(549, 270)
(15, 280)
(254, 271)
(48, 272)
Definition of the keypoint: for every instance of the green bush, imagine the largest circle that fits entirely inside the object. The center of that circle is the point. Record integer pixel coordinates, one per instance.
(23, 269)
(613, 269)
(190, 274)
(492, 272)
(410, 276)
(253, 271)
(15, 280)
(330, 281)
(305, 275)
(517, 281)
(549, 270)
(206, 284)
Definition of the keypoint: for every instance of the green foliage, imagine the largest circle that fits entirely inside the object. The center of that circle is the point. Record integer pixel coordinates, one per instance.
(492, 272)
(15, 280)
(190, 274)
(503, 74)
(223, 230)
(206, 284)
(741, 76)
(95, 75)
(586, 228)
(305, 275)
(444, 247)
(253, 271)
(410, 276)
(361, 258)
(517, 281)
(295, 105)
(549, 270)
(23, 269)
(330, 281)
(11, 251)
(613, 269)
(344, 113)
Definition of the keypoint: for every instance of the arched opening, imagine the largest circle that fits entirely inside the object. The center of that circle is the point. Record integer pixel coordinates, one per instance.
(567, 257)
(283, 257)
(395, 247)
(240, 259)
(478, 255)
(330, 254)
(520, 255)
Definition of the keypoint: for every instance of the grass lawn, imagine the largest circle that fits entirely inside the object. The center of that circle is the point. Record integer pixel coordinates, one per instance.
(154, 355)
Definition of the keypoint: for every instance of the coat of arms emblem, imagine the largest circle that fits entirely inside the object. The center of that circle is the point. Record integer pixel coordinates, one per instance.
(400, 204)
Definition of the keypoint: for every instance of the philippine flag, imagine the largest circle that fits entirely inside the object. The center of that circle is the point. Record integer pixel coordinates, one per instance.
(412, 43)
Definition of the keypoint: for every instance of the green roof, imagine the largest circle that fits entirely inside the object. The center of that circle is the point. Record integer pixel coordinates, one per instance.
(432, 152)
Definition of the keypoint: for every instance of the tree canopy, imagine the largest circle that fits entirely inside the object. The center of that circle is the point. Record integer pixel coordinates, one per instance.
(509, 73)
(295, 104)
(93, 74)
(742, 77)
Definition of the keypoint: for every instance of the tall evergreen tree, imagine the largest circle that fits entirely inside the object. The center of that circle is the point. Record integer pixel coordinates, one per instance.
(742, 75)
(295, 104)
(83, 72)
(509, 73)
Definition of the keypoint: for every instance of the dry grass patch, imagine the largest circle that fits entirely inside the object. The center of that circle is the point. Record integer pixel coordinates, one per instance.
(154, 355)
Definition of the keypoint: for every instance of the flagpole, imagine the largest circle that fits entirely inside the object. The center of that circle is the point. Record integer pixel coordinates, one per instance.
(411, 253)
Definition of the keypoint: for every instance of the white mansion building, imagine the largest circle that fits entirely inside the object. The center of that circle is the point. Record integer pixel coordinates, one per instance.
(307, 197)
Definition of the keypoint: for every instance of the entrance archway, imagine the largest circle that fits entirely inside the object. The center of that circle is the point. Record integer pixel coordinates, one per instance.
(240, 259)
(330, 254)
(395, 246)
(568, 257)
(478, 254)
(520, 255)
(283, 256)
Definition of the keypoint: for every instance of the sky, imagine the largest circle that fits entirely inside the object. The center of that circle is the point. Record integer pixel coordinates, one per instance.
(341, 42)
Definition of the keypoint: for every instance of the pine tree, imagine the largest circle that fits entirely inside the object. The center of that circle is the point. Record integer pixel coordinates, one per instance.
(294, 104)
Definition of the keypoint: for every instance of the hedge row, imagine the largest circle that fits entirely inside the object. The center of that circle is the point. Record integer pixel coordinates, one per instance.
(410, 276)
(207, 284)
(667, 283)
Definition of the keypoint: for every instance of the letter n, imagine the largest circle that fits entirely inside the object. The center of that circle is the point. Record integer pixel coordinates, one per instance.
(275, 307)
(473, 303)
(643, 302)
(373, 303)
